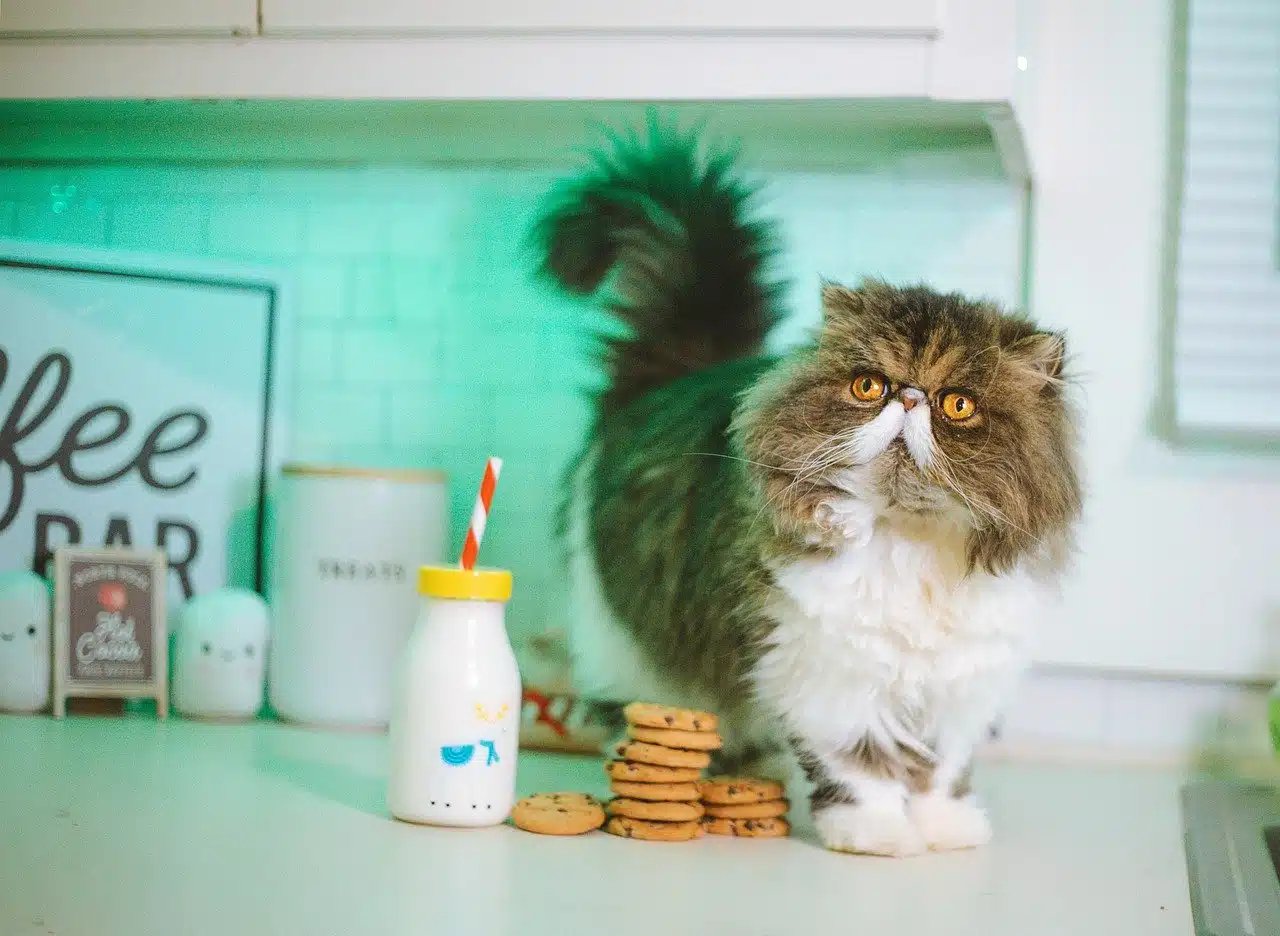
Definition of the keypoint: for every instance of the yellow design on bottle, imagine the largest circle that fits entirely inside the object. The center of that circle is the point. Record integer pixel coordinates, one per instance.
(483, 714)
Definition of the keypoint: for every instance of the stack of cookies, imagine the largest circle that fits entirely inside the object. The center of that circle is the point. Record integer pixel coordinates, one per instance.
(656, 776)
(744, 807)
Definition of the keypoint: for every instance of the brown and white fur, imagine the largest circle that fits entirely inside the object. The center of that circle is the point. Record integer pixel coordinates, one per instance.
(848, 580)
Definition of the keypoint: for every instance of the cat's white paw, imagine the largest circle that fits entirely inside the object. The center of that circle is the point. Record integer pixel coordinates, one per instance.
(946, 823)
(854, 520)
(874, 829)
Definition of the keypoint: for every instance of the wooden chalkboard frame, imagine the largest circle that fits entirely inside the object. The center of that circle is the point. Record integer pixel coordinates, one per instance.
(65, 683)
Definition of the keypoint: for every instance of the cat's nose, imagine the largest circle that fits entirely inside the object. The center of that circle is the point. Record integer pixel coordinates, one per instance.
(910, 397)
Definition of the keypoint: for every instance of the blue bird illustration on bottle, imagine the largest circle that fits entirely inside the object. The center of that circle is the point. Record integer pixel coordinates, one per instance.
(458, 756)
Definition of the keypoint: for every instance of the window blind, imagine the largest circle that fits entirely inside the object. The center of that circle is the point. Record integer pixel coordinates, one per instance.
(1226, 364)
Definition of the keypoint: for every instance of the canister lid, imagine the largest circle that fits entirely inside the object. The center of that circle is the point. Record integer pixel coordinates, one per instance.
(403, 475)
(464, 584)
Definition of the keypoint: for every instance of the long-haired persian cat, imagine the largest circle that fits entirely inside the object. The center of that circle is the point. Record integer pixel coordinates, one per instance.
(839, 549)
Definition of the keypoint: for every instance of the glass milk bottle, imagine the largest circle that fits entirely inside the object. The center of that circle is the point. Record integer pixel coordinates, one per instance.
(455, 720)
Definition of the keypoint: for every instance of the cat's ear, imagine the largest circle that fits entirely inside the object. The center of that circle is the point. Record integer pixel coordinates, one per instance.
(1044, 354)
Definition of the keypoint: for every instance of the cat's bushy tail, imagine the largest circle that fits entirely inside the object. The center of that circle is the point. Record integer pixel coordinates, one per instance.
(689, 263)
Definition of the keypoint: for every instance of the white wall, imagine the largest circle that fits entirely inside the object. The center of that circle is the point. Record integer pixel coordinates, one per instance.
(1180, 570)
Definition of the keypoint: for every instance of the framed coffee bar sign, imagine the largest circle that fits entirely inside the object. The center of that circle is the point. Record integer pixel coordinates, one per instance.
(138, 409)
(109, 634)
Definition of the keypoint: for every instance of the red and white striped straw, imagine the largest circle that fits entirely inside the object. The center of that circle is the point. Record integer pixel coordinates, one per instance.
(480, 515)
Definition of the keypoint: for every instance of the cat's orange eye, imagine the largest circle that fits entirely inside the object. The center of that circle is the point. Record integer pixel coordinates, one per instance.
(958, 407)
(868, 387)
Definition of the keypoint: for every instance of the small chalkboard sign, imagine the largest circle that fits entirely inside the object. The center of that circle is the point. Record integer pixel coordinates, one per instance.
(110, 638)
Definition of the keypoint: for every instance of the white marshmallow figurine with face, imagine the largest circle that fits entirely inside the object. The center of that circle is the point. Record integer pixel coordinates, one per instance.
(25, 625)
(219, 655)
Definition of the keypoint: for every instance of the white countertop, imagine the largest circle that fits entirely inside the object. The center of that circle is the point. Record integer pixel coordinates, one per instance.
(133, 828)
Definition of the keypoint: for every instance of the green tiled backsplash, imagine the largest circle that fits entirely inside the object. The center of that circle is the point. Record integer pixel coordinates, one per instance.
(421, 337)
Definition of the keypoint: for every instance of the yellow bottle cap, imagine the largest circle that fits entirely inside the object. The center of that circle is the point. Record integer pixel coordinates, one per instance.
(464, 584)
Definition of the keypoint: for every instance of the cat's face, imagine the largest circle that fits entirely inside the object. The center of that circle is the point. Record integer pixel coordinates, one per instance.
(928, 406)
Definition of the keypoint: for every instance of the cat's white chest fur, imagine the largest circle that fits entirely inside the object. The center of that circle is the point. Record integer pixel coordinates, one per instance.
(889, 637)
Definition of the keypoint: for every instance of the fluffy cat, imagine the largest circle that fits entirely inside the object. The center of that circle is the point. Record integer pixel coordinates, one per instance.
(840, 549)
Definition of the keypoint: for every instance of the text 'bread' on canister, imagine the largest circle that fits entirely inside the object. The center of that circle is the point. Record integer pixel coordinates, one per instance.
(347, 547)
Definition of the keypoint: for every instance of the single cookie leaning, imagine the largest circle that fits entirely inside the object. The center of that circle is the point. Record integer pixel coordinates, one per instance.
(748, 810)
(663, 757)
(650, 773)
(726, 790)
(675, 738)
(653, 715)
(558, 813)
(653, 831)
(660, 812)
(775, 827)
(665, 792)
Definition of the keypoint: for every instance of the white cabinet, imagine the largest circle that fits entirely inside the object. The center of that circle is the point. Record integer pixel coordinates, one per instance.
(127, 17)
(961, 59)
(741, 16)
(930, 50)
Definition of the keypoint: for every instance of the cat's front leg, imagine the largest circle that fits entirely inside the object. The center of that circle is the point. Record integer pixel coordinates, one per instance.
(845, 518)
(819, 514)
(945, 811)
(859, 805)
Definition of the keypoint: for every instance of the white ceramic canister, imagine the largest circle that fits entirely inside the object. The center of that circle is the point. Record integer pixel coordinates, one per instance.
(219, 655)
(456, 724)
(347, 547)
(25, 642)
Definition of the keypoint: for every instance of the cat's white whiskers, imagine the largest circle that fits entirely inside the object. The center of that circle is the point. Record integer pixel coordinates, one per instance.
(831, 443)
(833, 457)
(819, 456)
(974, 457)
(830, 452)
(941, 470)
(797, 478)
(737, 458)
(989, 510)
